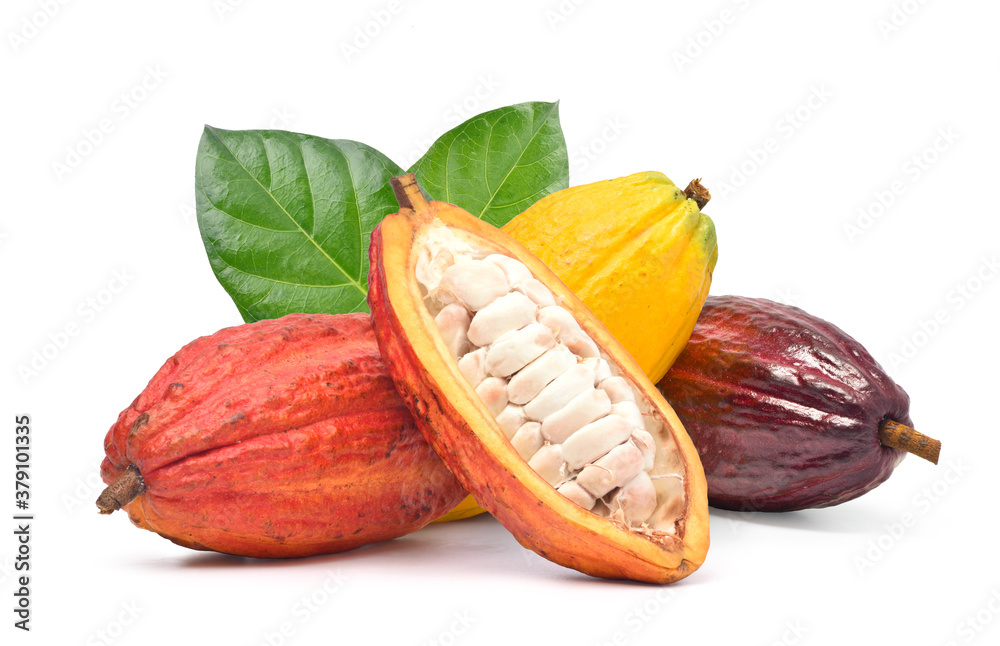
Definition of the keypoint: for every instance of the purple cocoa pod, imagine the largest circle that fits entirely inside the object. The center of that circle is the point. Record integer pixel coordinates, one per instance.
(786, 410)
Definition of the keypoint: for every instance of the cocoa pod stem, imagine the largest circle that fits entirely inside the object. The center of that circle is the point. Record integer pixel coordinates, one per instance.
(122, 491)
(900, 436)
(408, 194)
(695, 191)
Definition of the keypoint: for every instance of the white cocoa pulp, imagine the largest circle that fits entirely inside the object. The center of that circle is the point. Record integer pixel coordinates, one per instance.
(528, 439)
(529, 381)
(582, 427)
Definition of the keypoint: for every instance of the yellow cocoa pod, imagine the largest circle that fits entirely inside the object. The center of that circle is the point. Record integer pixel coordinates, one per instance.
(638, 252)
(465, 509)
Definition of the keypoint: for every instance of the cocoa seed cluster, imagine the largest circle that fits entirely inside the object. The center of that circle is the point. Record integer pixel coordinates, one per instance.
(561, 404)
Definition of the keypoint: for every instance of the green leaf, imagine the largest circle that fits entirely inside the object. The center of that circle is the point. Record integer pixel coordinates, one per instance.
(286, 218)
(499, 163)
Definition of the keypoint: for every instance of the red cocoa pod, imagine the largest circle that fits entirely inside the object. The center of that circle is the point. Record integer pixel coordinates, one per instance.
(280, 438)
(787, 411)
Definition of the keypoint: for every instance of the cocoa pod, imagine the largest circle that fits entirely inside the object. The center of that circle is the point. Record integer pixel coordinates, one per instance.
(280, 438)
(787, 411)
(655, 530)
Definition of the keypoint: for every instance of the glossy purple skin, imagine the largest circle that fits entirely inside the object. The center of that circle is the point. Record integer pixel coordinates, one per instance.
(783, 407)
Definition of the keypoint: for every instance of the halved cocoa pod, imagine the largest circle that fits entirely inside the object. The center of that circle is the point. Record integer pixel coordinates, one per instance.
(280, 438)
(646, 525)
(787, 411)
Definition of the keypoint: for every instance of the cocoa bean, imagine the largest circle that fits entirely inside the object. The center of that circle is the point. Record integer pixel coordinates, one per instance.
(493, 392)
(513, 269)
(516, 349)
(528, 439)
(588, 406)
(453, 321)
(614, 469)
(474, 283)
(529, 381)
(508, 313)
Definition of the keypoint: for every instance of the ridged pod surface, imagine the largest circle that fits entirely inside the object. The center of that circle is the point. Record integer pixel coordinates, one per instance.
(785, 408)
(636, 250)
(280, 438)
(459, 422)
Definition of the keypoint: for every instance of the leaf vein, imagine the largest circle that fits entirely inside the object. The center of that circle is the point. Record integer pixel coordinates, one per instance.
(354, 283)
(534, 134)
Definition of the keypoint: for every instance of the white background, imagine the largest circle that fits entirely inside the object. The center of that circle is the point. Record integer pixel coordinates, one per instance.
(855, 107)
